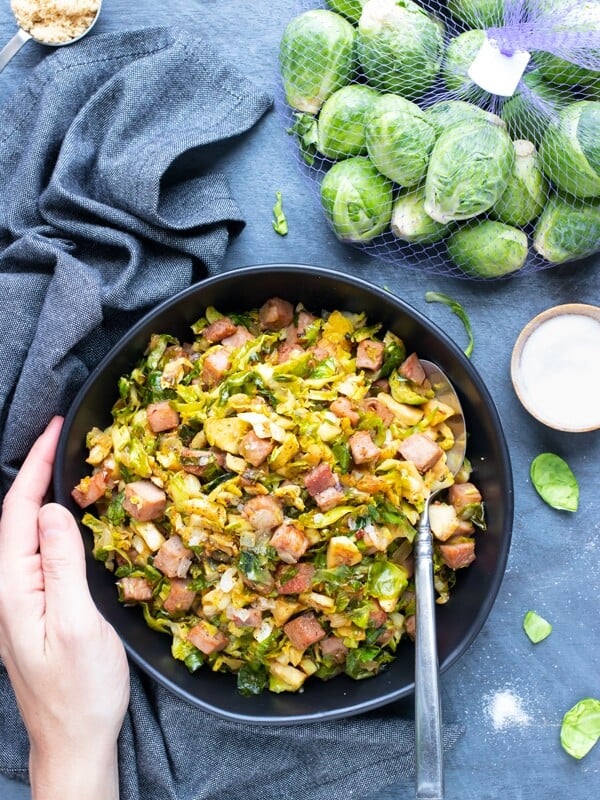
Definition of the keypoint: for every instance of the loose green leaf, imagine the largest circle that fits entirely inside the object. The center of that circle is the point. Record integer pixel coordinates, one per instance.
(554, 481)
(305, 128)
(280, 225)
(580, 727)
(536, 627)
(456, 308)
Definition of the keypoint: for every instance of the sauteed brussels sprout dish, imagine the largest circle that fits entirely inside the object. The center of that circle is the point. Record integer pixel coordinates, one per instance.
(257, 491)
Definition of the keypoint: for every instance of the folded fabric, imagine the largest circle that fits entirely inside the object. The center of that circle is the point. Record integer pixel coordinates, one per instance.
(105, 206)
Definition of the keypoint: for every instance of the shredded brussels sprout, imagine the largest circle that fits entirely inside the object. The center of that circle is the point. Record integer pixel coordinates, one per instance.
(257, 491)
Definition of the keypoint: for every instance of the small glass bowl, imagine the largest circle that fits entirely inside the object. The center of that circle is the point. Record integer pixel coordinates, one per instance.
(561, 377)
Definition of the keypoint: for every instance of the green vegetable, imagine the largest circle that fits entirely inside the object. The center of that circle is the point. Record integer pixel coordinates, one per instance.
(525, 194)
(364, 662)
(399, 47)
(536, 627)
(351, 9)
(252, 679)
(570, 149)
(409, 221)
(488, 249)
(581, 17)
(356, 199)
(567, 229)
(478, 13)
(533, 106)
(446, 112)
(341, 127)
(399, 139)
(460, 55)
(306, 129)
(555, 482)
(316, 57)
(580, 727)
(469, 169)
(386, 581)
(456, 308)
(280, 225)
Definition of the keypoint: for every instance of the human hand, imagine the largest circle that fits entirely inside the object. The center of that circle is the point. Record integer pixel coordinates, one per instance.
(66, 663)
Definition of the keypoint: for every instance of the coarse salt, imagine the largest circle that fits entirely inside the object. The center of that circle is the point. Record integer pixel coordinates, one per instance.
(506, 709)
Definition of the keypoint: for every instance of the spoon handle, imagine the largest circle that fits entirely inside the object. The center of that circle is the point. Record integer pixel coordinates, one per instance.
(428, 715)
(12, 48)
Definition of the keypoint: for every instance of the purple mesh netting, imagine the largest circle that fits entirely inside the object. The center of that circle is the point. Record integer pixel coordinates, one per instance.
(503, 186)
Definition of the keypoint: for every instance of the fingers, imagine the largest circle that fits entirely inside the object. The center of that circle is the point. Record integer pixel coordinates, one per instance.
(18, 530)
(66, 591)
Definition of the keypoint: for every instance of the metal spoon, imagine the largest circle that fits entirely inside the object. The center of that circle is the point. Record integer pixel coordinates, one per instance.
(22, 36)
(428, 713)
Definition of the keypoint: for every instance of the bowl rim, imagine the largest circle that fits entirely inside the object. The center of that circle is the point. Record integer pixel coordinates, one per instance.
(505, 468)
(563, 309)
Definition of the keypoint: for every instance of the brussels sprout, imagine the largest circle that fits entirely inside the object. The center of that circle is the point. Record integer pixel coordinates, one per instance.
(567, 229)
(399, 138)
(410, 222)
(534, 105)
(468, 171)
(527, 189)
(351, 9)
(316, 57)
(478, 13)
(488, 249)
(460, 55)
(399, 47)
(356, 199)
(570, 149)
(447, 112)
(342, 121)
(577, 17)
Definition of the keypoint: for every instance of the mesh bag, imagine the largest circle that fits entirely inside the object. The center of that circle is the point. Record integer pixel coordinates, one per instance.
(459, 137)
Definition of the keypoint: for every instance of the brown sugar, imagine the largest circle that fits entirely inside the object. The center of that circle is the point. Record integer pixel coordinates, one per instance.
(55, 21)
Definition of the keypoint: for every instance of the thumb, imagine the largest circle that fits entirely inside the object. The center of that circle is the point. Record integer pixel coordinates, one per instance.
(63, 563)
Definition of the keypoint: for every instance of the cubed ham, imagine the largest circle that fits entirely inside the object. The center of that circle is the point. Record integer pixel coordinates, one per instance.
(377, 616)
(290, 541)
(369, 354)
(462, 495)
(237, 339)
(410, 625)
(144, 501)
(419, 449)
(173, 558)
(90, 489)
(412, 369)
(135, 589)
(180, 597)
(334, 648)
(458, 553)
(295, 580)
(206, 639)
(245, 617)
(254, 449)
(374, 406)
(319, 478)
(161, 417)
(305, 318)
(343, 408)
(330, 498)
(219, 330)
(275, 314)
(263, 512)
(216, 364)
(304, 630)
(362, 447)
(287, 351)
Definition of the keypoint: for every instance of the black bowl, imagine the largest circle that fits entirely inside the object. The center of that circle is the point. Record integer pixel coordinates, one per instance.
(458, 622)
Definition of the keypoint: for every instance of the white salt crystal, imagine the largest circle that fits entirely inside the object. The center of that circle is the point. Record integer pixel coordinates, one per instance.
(506, 709)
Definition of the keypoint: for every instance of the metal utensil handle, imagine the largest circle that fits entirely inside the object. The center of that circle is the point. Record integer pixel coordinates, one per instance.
(428, 713)
(12, 48)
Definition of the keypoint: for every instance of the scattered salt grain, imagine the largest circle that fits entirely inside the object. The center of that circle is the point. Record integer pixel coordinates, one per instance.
(506, 709)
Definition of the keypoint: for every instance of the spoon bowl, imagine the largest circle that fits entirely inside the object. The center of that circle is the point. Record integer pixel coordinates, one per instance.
(428, 716)
(22, 36)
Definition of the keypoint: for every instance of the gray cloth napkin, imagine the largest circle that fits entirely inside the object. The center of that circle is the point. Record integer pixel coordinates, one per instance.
(103, 213)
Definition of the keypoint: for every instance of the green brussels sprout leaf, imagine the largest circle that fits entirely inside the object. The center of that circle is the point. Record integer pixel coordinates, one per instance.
(456, 308)
(536, 627)
(555, 482)
(280, 225)
(580, 729)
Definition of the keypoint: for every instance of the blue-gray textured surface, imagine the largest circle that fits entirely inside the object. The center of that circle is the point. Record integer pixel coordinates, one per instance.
(554, 561)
